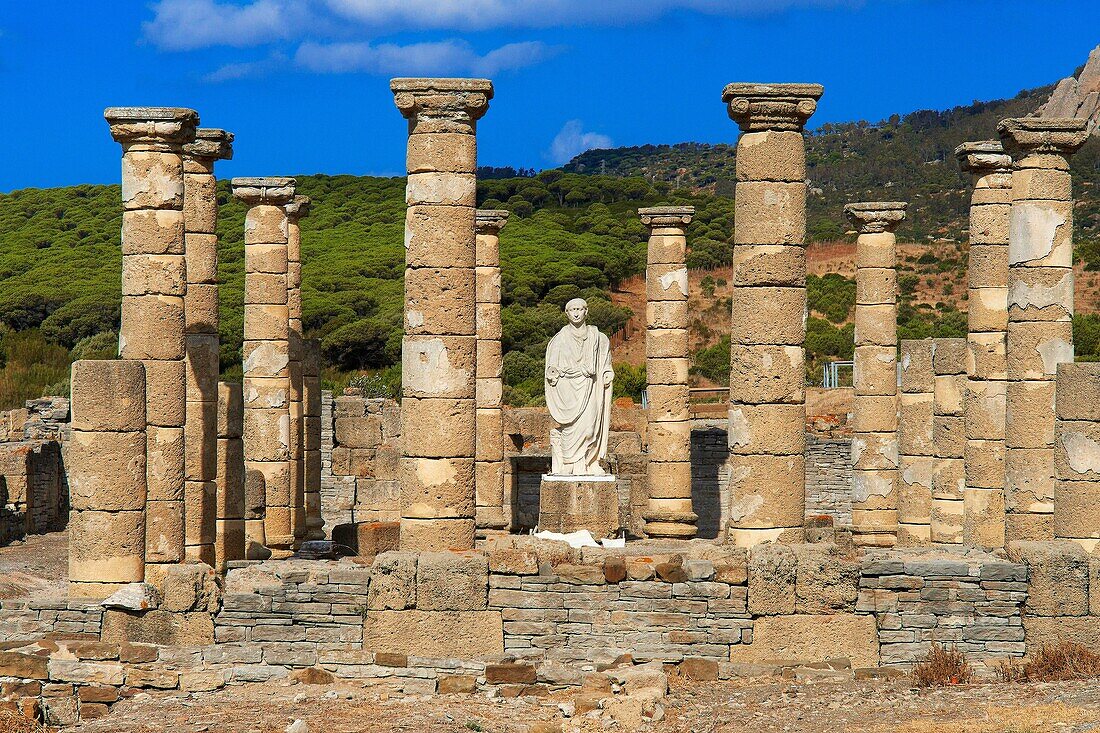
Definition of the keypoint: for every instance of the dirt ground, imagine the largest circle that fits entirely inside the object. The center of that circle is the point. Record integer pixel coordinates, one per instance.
(767, 705)
(37, 567)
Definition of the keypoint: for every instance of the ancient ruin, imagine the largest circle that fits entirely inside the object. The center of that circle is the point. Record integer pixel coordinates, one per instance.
(221, 533)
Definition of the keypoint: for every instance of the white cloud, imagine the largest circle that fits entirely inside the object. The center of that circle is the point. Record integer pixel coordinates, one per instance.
(572, 140)
(444, 57)
(189, 24)
(247, 69)
(182, 25)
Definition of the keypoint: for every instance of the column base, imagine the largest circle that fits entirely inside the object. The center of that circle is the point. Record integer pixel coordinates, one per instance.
(570, 504)
(1030, 527)
(255, 540)
(436, 535)
(93, 591)
(914, 535)
(749, 538)
(670, 518)
(874, 539)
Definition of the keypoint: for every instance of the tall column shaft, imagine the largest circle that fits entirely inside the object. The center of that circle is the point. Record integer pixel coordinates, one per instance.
(916, 445)
(1076, 449)
(107, 477)
(229, 542)
(949, 437)
(311, 431)
(439, 362)
(669, 510)
(489, 451)
(987, 363)
(1040, 313)
(767, 423)
(266, 353)
(875, 409)
(296, 210)
(200, 221)
(154, 283)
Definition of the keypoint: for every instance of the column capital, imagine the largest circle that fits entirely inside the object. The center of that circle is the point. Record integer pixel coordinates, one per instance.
(875, 217)
(983, 157)
(490, 221)
(657, 217)
(255, 191)
(157, 128)
(299, 207)
(1023, 136)
(210, 144)
(460, 102)
(779, 107)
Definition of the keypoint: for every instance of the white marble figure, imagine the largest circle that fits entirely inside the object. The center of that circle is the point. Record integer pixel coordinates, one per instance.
(578, 393)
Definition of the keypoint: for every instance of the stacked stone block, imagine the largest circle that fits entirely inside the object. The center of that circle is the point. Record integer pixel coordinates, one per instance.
(1040, 312)
(875, 409)
(987, 366)
(439, 360)
(266, 352)
(767, 373)
(312, 430)
(489, 467)
(296, 210)
(1077, 454)
(229, 543)
(200, 221)
(366, 450)
(107, 477)
(916, 444)
(949, 436)
(154, 283)
(668, 512)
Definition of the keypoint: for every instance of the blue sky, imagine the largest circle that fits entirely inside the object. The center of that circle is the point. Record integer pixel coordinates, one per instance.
(303, 83)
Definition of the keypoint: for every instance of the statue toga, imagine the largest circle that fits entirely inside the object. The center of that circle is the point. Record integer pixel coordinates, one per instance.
(578, 393)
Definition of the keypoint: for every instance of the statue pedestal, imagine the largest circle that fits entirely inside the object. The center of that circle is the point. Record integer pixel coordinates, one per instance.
(572, 503)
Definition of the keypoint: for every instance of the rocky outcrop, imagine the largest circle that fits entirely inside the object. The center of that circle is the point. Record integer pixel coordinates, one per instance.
(1079, 96)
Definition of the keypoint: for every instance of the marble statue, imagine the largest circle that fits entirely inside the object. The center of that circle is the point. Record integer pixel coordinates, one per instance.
(578, 393)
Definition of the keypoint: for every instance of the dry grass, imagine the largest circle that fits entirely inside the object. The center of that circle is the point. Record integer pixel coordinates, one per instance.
(12, 722)
(1054, 663)
(942, 667)
(998, 719)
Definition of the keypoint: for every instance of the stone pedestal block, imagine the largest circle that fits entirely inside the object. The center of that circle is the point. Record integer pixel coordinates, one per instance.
(570, 505)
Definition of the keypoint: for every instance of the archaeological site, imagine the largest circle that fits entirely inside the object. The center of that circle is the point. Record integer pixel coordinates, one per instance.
(258, 528)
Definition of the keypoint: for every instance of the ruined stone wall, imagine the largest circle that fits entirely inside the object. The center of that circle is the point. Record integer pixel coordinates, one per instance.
(358, 449)
(34, 495)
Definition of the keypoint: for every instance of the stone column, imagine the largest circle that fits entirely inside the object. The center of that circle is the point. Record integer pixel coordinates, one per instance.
(229, 537)
(1040, 313)
(987, 367)
(311, 431)
(875, 409)
(949, 437)
(266, 353)
(489, 454)
(296, 210)
(154, 282)
(107, 481)
(1077, 455)
(767, 430)
(438, 409)
(200, 223)
(916, 446)
(668, 512)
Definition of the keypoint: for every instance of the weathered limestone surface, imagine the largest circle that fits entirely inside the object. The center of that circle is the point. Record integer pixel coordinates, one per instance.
(916, 445)
(229, 542)
(767, 468)
(987, 360)
(267, 389)
(875, 410)
(1077, 454)
(107, 477)
(153, 324)
(438, 403)
(571, 505)
(949, 436)
(491, 508)
(668, 512)
(200, 220)
(312, 429)
(1040, 313)
(297, 210)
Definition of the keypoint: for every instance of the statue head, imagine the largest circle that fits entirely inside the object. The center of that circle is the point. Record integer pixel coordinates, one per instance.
(576, 310)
